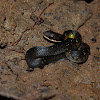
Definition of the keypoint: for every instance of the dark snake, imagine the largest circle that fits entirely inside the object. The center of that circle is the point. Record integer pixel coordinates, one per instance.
(67, 46)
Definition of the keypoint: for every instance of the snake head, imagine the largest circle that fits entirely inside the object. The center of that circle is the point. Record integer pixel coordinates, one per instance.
(53, 36)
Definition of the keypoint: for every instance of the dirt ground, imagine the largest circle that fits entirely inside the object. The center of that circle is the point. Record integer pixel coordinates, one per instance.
(63, 80)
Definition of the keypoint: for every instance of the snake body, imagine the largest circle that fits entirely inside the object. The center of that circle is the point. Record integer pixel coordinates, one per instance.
(66, 46)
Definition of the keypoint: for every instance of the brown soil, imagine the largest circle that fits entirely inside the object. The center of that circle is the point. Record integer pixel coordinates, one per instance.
(63, 80)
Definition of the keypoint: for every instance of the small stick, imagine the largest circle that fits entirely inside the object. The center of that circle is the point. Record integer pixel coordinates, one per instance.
(16, 42)
(45, 9)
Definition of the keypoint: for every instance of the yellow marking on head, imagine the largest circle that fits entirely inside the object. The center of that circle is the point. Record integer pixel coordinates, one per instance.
(72, 36)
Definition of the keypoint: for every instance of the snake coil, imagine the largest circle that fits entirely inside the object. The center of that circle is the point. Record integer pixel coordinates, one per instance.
(67, 46)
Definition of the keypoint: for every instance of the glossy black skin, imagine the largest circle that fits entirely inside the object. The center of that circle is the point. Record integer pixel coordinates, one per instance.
(66, 46)
(40, 55)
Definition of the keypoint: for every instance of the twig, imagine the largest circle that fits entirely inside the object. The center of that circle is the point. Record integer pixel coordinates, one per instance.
(28, 28)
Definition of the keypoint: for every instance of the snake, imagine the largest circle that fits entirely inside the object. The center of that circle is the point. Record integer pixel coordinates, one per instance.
(68, 45)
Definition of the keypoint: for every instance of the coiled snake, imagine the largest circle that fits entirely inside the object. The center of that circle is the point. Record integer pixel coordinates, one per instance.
(67, 46)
